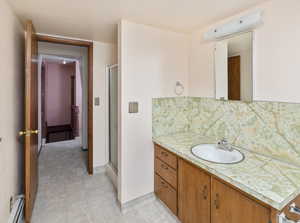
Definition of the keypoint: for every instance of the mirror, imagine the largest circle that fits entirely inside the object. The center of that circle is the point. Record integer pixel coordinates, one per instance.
(233, 68)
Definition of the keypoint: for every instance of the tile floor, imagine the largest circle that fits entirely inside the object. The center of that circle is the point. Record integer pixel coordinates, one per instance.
(67, 194)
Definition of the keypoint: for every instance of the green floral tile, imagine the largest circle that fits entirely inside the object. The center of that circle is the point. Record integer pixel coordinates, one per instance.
(268, 128)
(169, 115)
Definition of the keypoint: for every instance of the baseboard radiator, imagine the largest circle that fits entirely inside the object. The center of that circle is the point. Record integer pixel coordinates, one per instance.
(17, 210)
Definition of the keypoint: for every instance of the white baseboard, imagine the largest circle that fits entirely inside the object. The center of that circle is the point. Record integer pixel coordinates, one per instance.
(99, 169)
(151, 197)
(136, 202)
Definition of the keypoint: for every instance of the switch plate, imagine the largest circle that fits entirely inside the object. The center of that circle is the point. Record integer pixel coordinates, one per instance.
(133, 107)
(97, 101)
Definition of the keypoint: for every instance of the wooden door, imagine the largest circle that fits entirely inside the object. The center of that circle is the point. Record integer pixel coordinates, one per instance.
(31, 120)
(230, 206)
(234, 78)
(193, 194)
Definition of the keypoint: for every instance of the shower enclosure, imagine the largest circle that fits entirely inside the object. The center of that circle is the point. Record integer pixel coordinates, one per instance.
(113, 116)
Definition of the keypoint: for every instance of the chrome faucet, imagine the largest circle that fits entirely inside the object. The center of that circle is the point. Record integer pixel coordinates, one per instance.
(224, 144)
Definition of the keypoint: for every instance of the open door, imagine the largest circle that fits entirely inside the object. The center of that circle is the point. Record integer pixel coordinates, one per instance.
(31, 120)
(234, 78)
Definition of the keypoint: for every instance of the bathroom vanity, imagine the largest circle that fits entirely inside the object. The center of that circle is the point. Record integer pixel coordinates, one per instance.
(197, 191)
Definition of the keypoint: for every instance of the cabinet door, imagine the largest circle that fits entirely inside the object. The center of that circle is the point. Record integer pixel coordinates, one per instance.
(230, 206)
(194, 194)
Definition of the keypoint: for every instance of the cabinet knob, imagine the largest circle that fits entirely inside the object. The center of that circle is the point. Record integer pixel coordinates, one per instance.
(205, 192)
(217, 201)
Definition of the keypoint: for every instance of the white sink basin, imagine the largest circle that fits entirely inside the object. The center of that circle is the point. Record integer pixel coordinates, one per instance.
(210, 152)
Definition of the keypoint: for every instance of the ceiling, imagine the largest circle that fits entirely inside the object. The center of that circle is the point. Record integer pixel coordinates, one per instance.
(98, 19)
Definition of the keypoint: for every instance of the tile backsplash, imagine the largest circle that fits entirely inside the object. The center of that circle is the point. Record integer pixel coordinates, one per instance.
(268, 128)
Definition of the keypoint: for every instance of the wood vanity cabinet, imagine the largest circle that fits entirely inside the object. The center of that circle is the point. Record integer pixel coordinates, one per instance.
(196, 196)
(230, 206)
(204, 199)
(193, 194)
(165, 179)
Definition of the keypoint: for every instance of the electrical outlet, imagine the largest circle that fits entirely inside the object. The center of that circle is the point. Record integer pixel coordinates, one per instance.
(133, 107)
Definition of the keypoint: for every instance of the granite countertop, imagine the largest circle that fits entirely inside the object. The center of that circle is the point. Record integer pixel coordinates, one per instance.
(271, 181)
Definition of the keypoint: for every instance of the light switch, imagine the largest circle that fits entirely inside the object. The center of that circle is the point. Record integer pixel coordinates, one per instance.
(97, 101)
(133, 107)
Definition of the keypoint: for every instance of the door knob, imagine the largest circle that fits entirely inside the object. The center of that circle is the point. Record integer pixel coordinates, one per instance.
(21, 133)
(34, 131)
(28, 132)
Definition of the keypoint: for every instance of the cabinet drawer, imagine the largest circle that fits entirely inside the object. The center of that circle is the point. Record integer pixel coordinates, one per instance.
(166, 156)
(166, 172)
(165, 193)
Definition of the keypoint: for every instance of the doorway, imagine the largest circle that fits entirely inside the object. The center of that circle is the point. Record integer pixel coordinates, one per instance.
(70, 130)
(60, 101)
(234, 78)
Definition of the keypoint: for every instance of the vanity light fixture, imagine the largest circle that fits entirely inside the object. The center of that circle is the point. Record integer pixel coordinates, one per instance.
(241, 24)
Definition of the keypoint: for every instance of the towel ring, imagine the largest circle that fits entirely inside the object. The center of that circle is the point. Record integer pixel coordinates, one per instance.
(179, 88)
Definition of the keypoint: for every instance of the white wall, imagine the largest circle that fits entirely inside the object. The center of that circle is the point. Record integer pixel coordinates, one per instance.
(151, 61)
(276, 55)
(201, 67)
(11, 109)
(104, 54)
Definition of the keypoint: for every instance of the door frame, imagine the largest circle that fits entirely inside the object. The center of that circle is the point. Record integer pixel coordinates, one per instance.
(90, 47)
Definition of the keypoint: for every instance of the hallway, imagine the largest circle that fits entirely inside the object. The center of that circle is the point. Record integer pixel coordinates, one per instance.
(67, 194)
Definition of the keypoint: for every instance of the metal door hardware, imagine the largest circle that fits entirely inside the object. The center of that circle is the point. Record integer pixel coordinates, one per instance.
(28, 132)
(282, 218)
(294, 209)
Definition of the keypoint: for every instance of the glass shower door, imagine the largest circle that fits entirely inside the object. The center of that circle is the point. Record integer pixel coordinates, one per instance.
(113, 117)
